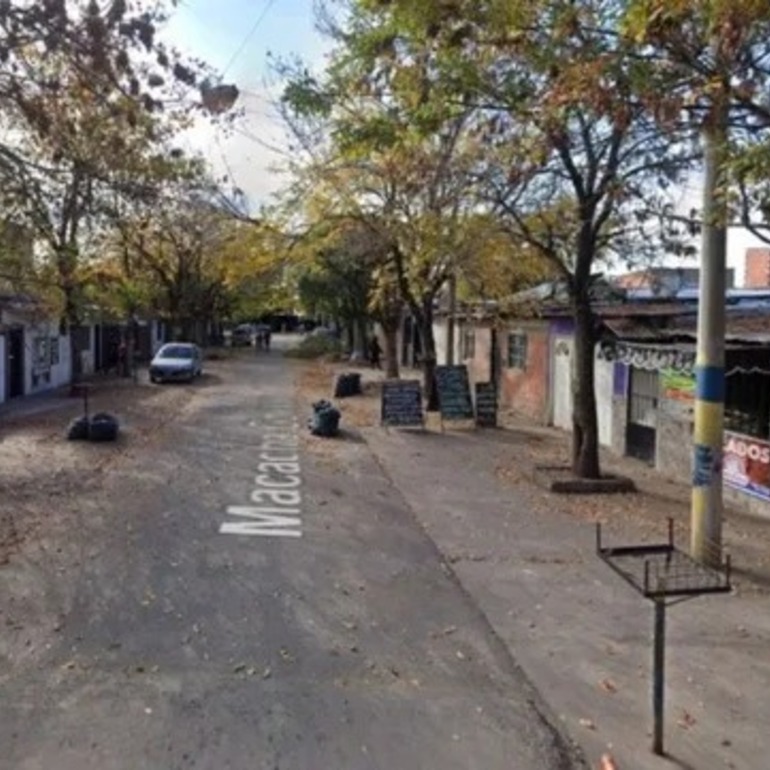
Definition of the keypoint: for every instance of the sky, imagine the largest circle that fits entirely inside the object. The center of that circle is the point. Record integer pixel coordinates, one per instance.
(235, 38)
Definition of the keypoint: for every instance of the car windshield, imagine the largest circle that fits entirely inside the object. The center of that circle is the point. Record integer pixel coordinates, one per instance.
(176, 351)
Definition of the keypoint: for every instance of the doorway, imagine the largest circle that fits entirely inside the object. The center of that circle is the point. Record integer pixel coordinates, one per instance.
(15, 362)
(642, 415)
(495, 364)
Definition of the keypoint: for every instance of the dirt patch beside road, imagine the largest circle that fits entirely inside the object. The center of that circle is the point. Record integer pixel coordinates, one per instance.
(40, 467)
(50, 512)
(315, 381)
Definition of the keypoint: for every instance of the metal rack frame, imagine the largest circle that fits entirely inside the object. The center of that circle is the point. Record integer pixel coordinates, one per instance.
(664, 574)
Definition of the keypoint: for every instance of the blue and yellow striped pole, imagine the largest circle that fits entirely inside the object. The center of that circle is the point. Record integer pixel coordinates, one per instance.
(706, 519)
(706, 516)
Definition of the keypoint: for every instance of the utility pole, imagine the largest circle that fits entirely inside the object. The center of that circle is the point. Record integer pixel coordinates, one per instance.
(707, 506)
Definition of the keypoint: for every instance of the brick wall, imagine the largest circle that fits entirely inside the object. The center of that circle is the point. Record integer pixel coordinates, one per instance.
(526, 390)
(757, 268)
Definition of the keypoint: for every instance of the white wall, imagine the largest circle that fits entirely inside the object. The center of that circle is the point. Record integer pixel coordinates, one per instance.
(55, 375)
(563, 353)
(563, 347)
(441, 337)
(604, 374)
(61, 373)
(440, 334)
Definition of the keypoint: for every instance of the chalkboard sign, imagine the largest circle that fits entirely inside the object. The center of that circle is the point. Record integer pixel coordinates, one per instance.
(486, 404)
(454, 392)
(401, 403)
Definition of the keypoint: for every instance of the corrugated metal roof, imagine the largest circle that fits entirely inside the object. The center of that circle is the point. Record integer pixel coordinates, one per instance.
(634, 329)
(753, 327)
(745, 327)
(644, 309)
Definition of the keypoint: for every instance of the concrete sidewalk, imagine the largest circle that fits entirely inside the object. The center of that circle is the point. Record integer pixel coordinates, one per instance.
(62, 397)
(39, 403)
(581, 634)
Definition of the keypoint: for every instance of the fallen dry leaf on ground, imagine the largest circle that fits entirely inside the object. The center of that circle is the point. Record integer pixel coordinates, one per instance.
(687, 720)
(608, 686)
(607, 763)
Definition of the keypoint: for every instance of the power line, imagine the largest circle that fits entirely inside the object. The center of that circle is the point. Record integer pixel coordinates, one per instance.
(222, 155)
(266, 145)
(268, 5)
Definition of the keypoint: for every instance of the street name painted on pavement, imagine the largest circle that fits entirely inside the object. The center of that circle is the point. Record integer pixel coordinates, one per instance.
(275, 505)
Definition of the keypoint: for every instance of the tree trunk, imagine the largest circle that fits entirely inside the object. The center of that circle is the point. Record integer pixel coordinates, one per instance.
(363, 333)
(585, 435)
(425, 323)
(65, 264)
(390, 330)
(71, 316)
(451, 329)
(350, 334)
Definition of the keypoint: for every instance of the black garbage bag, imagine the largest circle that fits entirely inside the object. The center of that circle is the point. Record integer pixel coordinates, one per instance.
(348, 385)
(103, 427)
(325, 420)
(78, 429)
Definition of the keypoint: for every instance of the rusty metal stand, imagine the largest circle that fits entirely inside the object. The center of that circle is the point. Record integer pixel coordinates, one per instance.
(667, 576)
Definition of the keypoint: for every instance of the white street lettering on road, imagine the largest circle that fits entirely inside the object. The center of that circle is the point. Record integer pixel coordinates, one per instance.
(276, 501)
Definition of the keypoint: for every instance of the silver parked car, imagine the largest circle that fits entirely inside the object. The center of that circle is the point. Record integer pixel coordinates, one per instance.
(176, 361)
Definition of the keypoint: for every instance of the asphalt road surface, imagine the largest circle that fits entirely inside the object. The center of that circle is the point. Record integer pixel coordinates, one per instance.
(247, 603)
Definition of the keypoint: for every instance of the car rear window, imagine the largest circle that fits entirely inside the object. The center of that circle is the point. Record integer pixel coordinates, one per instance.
(176, 351)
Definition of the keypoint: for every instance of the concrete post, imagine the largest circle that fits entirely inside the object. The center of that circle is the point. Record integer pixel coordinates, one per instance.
(706, 515)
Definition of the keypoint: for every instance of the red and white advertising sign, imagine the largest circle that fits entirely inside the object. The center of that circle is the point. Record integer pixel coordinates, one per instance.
(747, 464)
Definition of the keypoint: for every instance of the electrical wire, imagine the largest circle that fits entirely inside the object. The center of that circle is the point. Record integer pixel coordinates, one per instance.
(274, 148)
(225, 162)
(266, 8)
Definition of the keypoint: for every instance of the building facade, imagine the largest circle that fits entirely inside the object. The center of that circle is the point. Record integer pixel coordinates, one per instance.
(34, 351)
(757, 268)
(644, 383)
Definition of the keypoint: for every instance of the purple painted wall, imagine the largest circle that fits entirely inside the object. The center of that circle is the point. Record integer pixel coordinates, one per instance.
(562, 326)
(620, 380)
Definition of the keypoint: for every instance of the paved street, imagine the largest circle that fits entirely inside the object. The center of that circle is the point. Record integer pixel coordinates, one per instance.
(243, 602)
